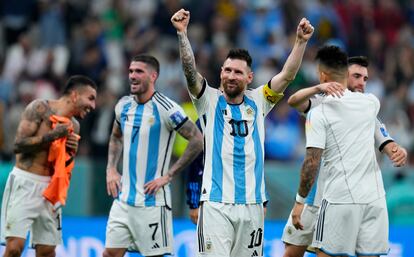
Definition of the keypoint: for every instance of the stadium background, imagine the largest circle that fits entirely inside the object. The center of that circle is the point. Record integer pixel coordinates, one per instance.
(42, 42)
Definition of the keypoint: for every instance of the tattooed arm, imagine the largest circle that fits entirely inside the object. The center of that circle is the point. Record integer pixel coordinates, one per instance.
(180, 21)
(72, 141)
(195, 145)
(113, 178)
(26, 139)
(308, 174)
(309, 169)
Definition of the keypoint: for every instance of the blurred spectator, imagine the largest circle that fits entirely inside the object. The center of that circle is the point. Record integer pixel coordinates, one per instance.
(260, 22)
(51, 22)
(323, 16)
(25, 94)
(283, 133)
(16, 18)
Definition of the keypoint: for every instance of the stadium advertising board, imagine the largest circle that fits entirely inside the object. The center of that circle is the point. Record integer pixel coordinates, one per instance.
(84, 237)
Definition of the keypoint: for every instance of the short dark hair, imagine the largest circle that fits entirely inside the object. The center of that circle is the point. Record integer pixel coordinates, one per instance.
(78, 81)
(240, 54)
(359, 60)
(148, 59)
(332, 57)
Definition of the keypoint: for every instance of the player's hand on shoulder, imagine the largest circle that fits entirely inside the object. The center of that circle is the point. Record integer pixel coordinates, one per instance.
(304, 30)
(180, 20)
(113, 182)
(334, 89)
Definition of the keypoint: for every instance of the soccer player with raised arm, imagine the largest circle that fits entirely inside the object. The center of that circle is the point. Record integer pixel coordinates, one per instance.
(230, 221)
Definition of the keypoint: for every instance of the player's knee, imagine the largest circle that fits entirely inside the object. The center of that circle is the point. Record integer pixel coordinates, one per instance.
(108, 253)
(14, 248)
(46, 252)
(13, 251)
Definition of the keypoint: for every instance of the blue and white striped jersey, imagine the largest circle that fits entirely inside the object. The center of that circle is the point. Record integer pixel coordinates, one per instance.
(148, 137)
(234, 145)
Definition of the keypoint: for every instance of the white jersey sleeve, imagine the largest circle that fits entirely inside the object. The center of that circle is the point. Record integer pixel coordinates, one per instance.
(207, 96)
(119, 106)
(382, 137)
(175, 116)
(314, 101)
(315, 128)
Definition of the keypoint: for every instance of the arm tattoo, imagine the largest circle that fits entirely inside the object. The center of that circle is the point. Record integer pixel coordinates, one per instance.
(309, 170)
(195, 145)
(188, 61)
(32, 117)
(115, 146)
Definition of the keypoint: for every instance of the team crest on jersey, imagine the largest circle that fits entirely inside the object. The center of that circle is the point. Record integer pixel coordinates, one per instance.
(151, 120)
(177, 118)
(249, 111)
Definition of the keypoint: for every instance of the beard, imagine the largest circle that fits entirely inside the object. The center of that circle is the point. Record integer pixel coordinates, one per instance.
(141, 88)
(233, 91)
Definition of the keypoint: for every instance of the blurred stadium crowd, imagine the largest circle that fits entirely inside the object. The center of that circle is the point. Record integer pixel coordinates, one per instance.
(45, 41)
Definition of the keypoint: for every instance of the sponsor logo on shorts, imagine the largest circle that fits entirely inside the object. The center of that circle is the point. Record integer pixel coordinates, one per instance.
(209, 245)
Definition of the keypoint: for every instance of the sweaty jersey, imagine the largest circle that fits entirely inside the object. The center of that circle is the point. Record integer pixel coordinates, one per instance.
(234, 144)
(345, 129)
(148, 135)
(382, 137)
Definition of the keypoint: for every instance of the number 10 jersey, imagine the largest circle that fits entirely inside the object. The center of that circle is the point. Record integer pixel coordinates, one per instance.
(234, 144)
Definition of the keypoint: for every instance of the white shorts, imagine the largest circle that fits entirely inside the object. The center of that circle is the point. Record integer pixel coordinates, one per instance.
(352, 229)
(230, 230)
(24, 209)
(304, 237)
(147, 230)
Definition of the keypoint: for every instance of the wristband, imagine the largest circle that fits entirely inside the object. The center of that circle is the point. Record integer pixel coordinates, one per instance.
(300, 199)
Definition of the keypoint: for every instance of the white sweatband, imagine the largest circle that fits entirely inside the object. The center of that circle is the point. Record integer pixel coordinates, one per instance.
(300, 199)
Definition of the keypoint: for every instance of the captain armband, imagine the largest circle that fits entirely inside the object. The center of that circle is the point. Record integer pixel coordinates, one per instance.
(271, 95)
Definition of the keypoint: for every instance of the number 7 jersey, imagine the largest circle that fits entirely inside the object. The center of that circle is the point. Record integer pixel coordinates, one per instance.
(234, 144)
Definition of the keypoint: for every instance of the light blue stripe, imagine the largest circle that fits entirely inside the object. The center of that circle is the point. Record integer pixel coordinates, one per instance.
(216, 193)
(123, 119)
(258, 149)
(124, 115)
(239, 156)
(133, 154)
(153, 149)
